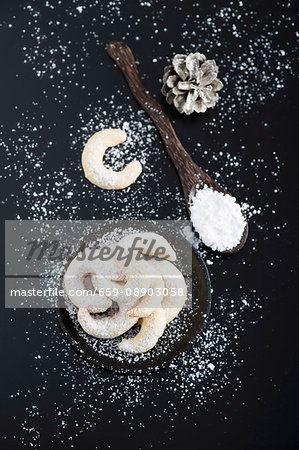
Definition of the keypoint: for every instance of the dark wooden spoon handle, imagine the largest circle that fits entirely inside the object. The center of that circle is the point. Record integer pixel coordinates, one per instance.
(186, 167)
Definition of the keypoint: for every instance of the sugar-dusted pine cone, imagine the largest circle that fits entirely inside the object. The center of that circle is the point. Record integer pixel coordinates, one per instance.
(191, 83)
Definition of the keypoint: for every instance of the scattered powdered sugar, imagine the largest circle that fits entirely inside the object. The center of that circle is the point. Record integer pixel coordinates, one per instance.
(217, 218)
(60, 47)
(197, 376)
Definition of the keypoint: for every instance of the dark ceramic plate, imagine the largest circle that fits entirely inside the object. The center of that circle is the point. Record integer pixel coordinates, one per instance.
(191, 321)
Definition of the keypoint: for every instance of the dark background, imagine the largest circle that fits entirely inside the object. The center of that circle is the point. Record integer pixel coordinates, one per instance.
(263, 412)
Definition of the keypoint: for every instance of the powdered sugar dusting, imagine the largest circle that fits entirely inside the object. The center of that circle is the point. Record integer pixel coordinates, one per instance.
(59, 46)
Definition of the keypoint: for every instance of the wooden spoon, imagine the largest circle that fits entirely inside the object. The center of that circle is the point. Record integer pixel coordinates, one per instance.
(192, 177)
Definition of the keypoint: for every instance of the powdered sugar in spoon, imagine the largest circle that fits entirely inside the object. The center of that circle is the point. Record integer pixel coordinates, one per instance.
(192, 177)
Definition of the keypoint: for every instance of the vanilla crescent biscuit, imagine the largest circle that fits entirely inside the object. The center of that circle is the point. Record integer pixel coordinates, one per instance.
(152, 328)
(175, 285)
(74, 285)
(93, 166)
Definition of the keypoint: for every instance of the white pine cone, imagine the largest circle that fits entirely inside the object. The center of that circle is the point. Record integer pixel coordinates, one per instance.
(191, 83)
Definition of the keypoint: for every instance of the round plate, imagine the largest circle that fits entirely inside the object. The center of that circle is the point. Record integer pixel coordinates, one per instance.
(177, 337)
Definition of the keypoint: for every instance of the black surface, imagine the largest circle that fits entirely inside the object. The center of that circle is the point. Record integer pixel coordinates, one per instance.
(263, 413)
